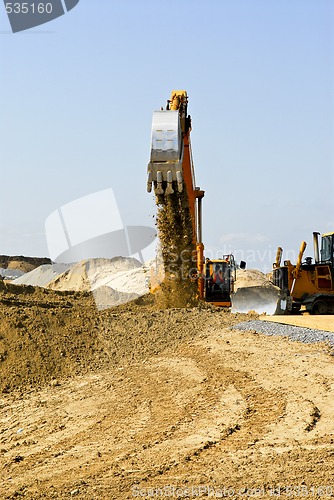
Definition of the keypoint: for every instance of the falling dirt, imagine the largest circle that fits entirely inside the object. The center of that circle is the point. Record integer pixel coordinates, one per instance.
(137, 401)
(175, 229)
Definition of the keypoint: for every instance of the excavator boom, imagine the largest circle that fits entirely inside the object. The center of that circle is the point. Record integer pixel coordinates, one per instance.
(170, 174)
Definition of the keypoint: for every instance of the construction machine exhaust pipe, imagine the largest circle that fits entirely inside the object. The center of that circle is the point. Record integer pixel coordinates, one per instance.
(298, 265)
(300, 258)
(316, 247)
(279, 254)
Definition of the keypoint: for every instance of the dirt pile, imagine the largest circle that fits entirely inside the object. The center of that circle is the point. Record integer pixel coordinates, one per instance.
(46, 334)
(22, 263)
(250, 277)
(175, 229)
(41, 336)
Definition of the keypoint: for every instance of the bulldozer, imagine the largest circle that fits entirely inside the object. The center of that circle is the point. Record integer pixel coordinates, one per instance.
(170, 174)
(307, 285)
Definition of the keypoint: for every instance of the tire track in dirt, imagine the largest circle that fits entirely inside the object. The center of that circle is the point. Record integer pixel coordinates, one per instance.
(156, 419)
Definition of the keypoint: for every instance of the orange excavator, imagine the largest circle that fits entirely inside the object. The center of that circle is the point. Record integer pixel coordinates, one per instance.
(170, 173)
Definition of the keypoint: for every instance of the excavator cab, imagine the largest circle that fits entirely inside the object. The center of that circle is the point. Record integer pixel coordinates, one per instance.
(220, 276)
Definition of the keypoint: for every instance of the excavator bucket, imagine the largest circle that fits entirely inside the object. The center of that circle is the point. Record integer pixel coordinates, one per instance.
(264, 299)
(165, 167)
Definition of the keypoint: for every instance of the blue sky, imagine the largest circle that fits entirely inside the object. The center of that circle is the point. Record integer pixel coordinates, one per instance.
(78, 96)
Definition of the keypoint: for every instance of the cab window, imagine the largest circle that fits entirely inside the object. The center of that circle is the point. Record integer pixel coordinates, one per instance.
(327, 249)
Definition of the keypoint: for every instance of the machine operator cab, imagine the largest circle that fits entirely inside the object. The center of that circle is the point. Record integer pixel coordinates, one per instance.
(327, 249)
(220, 276)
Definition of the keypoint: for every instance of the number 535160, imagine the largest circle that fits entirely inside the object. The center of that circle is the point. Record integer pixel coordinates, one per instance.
(26, 8)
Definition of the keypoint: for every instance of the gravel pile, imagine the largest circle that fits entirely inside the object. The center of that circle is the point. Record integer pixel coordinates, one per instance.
(295, 333)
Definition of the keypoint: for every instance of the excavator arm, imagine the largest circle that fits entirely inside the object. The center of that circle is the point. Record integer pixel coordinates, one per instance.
(170, 173)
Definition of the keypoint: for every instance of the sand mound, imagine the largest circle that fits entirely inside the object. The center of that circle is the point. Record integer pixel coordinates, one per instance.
(10, 274)
(112, 281)
(46, 334)
(22, 263)
(250, 277)
(42, 275)
(105, 297)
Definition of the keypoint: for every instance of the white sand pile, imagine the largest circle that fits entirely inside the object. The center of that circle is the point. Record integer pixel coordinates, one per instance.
(10, 274)
(90, 274)
(112, 281)
(107, 297)
(42, 275)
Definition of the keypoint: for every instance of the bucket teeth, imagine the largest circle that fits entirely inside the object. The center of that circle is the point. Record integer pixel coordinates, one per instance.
(179, 181)
(169, 180)
(149, 182)
(169, 189)
(158, 189)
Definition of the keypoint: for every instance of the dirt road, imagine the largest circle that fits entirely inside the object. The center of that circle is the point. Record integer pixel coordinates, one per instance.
(138, 401)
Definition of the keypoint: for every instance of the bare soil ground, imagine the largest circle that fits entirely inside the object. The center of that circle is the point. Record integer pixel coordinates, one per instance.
(109, 404)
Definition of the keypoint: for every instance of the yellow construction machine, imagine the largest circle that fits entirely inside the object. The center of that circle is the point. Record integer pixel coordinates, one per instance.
(171, 175)
(308, 285)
